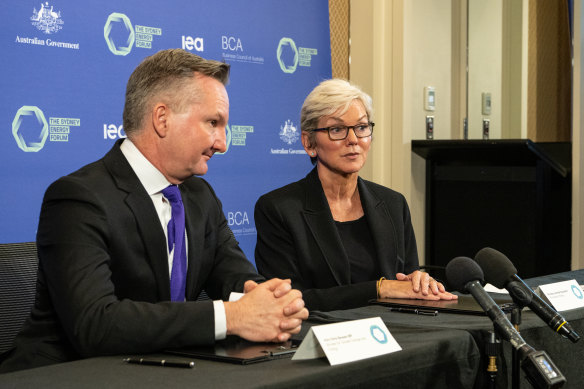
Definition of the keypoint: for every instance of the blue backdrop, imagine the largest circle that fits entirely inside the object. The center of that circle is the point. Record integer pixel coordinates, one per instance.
(66, 63)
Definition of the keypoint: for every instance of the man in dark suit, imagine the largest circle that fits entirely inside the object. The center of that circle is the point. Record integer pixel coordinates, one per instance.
(104, 262)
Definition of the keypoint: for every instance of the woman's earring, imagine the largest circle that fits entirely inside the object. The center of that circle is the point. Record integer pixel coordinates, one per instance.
(312, 154)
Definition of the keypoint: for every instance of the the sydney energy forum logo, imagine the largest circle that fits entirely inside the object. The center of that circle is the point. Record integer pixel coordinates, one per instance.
(236, 135)
(121, 36)
(31, 129)
(290, 57)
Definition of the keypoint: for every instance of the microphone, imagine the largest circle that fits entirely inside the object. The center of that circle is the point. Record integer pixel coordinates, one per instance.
(465, 275)
(500, 272)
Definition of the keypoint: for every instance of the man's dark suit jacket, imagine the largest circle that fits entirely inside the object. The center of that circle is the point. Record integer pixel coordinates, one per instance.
(298, 239)
(103, 283)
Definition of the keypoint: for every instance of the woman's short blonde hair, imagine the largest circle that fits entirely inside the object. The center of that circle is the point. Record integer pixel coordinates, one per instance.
(327, 98)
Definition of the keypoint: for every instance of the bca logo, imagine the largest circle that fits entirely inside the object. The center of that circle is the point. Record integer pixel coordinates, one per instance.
(237, 218)
(190, 43)
(231, 43)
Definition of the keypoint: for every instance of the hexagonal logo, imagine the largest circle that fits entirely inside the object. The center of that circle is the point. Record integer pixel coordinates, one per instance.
(227, 140)
(116, 17)
(284, 43)
(30, 135)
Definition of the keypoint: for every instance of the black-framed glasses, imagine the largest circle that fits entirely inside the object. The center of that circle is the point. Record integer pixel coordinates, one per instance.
(341, 132)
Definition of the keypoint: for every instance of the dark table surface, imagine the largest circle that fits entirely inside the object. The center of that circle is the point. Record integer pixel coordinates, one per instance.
(444, 351)
(439, 358)
(568, 356)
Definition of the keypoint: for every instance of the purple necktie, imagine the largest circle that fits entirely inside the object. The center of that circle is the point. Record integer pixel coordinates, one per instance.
(176, 238)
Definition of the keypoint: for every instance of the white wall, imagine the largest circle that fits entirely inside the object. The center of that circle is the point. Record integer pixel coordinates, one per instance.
(427, 59)
(485, 50)
(578, 141)
(400, 46)
(397, 48)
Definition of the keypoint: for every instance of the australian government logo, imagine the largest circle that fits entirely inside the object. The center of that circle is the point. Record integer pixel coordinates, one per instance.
(49, 21)
(290, 56)
(289, 134)
(233, 50)
(31, 129)
(46, 19)
(121, 36)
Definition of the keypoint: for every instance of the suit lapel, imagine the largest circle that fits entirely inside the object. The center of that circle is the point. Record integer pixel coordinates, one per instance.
(381, 227)
(147, 220)
(320, 222)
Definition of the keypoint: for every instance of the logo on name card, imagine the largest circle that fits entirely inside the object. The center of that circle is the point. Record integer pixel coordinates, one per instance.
(47, 19)
(290, 56)
(378, 334)
(577, 292)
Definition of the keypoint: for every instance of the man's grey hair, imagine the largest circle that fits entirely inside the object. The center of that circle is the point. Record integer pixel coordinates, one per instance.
(164, 76)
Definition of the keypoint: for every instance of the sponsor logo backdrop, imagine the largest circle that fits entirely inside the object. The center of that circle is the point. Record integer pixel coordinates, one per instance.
(64, 69)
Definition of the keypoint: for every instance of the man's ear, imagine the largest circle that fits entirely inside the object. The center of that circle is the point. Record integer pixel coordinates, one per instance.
(160, 117)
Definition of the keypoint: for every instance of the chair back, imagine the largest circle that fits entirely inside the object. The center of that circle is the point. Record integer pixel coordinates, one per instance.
(18, 273)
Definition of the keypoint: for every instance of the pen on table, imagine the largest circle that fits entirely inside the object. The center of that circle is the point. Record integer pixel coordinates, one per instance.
(160, 362)
(415, 311)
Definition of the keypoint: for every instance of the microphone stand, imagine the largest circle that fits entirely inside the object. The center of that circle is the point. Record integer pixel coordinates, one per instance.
(515, 360)
(539, 369)
(492, 349)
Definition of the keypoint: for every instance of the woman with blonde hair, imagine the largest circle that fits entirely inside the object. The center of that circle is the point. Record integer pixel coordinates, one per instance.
(341, 240)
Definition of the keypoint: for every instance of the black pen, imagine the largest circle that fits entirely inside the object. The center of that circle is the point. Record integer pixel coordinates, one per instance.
(160, 362)
(415, 311)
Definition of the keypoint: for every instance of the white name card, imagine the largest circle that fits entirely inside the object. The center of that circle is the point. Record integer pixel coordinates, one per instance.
(347, 341)
(564, 295)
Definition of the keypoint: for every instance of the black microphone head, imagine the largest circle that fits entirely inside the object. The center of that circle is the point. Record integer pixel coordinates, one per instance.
(497, 268)
(462, 270)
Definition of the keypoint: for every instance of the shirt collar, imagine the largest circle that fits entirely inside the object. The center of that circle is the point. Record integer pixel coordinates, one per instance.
(150, 177)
